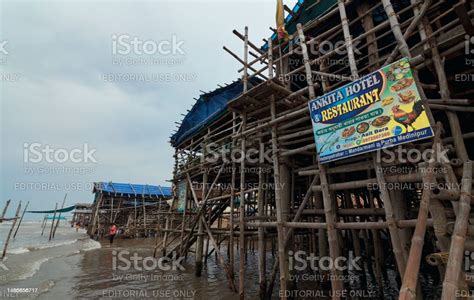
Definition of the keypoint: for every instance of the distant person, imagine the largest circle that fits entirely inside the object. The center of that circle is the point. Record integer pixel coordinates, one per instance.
(78, 225)
(112, 232)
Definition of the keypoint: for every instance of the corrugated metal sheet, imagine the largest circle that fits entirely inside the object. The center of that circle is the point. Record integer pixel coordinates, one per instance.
(132, 189)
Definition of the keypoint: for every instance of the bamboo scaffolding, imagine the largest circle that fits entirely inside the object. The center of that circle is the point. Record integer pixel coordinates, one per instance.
(329, 205)
(410, 277)
(456, 251)
(345, 207)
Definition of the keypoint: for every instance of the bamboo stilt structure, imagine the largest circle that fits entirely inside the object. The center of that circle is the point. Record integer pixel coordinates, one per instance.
(347, 205)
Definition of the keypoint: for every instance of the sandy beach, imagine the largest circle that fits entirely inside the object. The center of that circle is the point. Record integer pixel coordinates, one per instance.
(73, 266)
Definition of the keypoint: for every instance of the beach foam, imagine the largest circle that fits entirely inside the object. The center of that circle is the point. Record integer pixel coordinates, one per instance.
(52, 245)
(91, 245)
(33, 268)
(18, 250)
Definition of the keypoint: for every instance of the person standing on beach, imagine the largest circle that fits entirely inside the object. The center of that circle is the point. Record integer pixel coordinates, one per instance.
(112, 232)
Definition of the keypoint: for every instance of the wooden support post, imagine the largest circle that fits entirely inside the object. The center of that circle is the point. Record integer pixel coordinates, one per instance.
(52, 223)
(289, 233)
(419, 14)
(5, 210)
(21, 219)
(45, 221)
(246, 54)
(111, 210)
(270, 58)
(410, 277)
(242, 212)
(135, 216)
(183, 245)
(278, 203)
(405, 50)
(11, 230)
(232, 202)
(453, 120)
(170, 211)
(455, 260)
(395, 26)
(329, 205)
(200, 237)
(390, 216)
(59, 216)
(95, 219)
(261, 231)
(348, 39)
(368, 24)
(211, 238)
(144, 215)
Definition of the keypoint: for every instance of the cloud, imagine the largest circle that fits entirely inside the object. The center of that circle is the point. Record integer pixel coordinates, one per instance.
(62, 51)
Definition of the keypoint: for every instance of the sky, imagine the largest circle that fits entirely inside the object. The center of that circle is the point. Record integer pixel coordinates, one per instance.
(90, 90)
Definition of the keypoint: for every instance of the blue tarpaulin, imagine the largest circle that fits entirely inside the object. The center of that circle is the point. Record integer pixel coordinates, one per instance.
(66, 209)
(132, 189)
(305, 11)
(207, 109)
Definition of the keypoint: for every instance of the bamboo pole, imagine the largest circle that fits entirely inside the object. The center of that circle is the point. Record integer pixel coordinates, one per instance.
(169, 214)
(278, 203)
(232, 202)
(410, 277)
(200, 240)
(45, 220)
(289, 233)
(337, 285)
(96, 210)
(390, 216)
(11, 230)
(453, 120)
(52, 223)
(242, 215)
(261, 231)
(59, 216)
(246, 51)
(5, 210)
(348, 39)
(419, 14)
(144, 215)
(456, 251)
(111, 210)
(21, 219)
(211, 238)
(183, 224)
(201, 210)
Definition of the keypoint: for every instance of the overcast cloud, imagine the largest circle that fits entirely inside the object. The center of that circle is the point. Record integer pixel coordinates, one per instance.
(55, 90)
